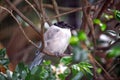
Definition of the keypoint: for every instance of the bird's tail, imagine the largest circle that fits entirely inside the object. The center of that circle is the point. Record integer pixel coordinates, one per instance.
(37, 60)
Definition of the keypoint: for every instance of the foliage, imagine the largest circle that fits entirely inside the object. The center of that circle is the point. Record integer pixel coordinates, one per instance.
(114, 52)
(102, 25)
(117, 14)
(81, 36)
(96, 35)
(45, 71)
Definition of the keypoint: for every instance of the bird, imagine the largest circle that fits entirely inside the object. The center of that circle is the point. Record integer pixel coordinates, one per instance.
(56, 40)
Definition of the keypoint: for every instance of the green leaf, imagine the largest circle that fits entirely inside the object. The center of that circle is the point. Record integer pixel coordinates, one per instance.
(74, 40)
(46, 62)
(34, 69)
(83, 67)
(67, 71)
(115, 51)
(20, 72)
(2, 77)
(96, 21)
(61, 76)
(108, 17)
(85, 64)
(4, 62)
(82, 36)
(117, 14)
(102, 26)
(99, 70)
(2, 53)
(66, 60)
(44, 74)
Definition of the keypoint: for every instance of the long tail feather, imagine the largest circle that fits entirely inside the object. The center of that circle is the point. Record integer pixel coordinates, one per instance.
(37, 60)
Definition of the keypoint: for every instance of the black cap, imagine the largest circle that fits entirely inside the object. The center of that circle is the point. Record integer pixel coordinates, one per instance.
(62, 24)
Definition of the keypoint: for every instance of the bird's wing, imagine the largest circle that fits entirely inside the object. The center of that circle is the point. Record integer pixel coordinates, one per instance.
(37, 60)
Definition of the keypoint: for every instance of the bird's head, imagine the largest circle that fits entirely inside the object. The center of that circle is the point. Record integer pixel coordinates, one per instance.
(62, 24)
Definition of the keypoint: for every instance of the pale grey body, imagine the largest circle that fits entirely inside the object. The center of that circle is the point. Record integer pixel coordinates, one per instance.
(56, 41)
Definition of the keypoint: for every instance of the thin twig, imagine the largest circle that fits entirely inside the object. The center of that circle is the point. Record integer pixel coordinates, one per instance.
(44, 50)
(88, 19)
(44, 13)
(101, 8)
(90, 24)
(42, 36)
(42, 24)
(70, 11)
(34, 9)
(4, 14)
(94, 60)
(19, 26)
(22, 16)
(113, 67)
(55, 6)
(59, 8)
(40, 9)
(65, 13)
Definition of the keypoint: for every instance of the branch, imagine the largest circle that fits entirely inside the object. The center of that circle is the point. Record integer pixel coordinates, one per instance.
(101, 8)
(59, 8)
(90, 23)
(94, 60)
(55, 6)
(22, 16)
(34, 9)
(4, 14)
(44, 13)
(19, 26)
(52, 54)
(71, 11)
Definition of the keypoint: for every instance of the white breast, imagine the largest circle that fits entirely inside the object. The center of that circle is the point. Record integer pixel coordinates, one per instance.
(57, 39)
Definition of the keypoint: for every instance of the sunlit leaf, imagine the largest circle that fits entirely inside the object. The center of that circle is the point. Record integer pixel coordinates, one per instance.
(74, 40)
(48, 62)
(108, 17)
(117, 14)
(85, 64)
(66, 60)
(103, 26)
(96, 21)
(82, 36)
(83, 67)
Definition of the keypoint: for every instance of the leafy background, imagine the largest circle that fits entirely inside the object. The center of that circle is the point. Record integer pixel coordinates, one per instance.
(94, 52)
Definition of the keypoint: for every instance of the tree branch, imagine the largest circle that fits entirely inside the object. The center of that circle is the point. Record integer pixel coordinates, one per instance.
(55, 6)
(22, 16)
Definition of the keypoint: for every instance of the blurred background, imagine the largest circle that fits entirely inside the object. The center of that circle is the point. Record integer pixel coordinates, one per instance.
(70, 11)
